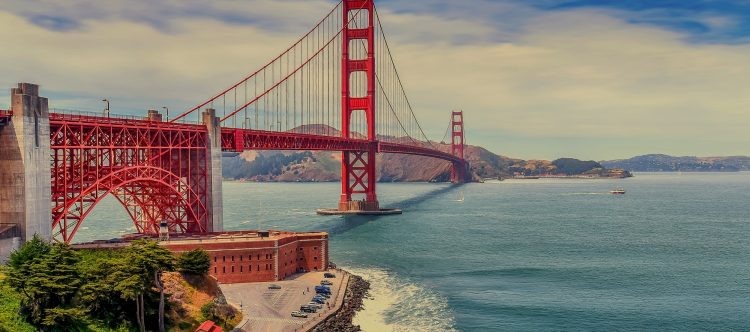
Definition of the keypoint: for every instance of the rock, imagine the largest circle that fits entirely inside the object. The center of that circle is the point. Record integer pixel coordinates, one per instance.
(356, 291)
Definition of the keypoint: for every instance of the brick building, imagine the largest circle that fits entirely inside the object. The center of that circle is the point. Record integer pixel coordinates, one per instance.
(250, 256)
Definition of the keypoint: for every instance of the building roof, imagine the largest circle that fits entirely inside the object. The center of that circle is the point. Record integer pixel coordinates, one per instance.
(204, 238)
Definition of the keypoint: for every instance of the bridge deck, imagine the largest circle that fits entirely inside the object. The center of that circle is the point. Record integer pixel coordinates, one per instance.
(5, 116)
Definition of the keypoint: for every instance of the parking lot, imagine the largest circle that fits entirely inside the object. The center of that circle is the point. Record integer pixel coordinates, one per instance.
(265, 309)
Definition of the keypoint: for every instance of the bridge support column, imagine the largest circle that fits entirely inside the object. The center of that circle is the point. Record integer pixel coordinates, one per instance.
(215, 222)
(25, 174)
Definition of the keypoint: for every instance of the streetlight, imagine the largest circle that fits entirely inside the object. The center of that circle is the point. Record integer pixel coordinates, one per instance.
(167, 109)
(106, 110)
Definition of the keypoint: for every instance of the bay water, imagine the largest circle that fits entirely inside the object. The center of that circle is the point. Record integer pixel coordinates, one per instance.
(673, 254)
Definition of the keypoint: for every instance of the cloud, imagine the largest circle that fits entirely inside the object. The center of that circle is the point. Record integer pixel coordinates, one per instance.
(580, 82)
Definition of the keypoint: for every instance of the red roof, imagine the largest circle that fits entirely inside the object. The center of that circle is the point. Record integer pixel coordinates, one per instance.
(209, 326)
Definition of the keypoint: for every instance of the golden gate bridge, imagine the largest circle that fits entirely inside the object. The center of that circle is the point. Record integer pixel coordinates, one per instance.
(337, 88)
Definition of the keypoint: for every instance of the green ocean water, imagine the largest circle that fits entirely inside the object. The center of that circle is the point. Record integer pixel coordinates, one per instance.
(673, 254)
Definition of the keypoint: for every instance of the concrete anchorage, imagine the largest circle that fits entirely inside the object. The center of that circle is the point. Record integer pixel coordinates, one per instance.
(25, 175)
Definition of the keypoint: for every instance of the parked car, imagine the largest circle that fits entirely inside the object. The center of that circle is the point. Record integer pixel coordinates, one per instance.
(315, 304)
(326, 283)
(308, 308)
(322, 289)
(299, 314)
(319, 300)
(274, 286)
(329, 275)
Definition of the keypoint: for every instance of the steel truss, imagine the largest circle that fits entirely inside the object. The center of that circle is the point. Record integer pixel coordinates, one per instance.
(158, 172)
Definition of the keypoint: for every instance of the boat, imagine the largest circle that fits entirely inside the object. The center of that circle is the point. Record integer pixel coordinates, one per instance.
(618, 191)
(460, 197)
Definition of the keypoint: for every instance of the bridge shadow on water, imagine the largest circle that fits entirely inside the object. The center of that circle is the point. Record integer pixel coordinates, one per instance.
(351, 222)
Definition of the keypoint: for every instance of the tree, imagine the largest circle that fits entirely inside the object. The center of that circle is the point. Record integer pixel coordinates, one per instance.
(98, 294)
(47, 278)
(20, 261)
(139, 270)
(195, 262)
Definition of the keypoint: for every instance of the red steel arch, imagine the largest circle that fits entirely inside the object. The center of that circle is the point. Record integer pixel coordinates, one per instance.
(158, 171)
(149, 194)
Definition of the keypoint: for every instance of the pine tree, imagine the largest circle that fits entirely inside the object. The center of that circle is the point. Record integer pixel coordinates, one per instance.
(195, 262)
(139, 271)
(52, 282)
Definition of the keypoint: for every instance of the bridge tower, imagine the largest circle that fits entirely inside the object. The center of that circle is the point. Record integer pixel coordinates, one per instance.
(358, 167)
(25, 188)
(459, 171)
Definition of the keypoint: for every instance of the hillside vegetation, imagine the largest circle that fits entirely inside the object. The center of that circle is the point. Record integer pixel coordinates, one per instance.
(51, 287)
(665, 163)
(323, 166)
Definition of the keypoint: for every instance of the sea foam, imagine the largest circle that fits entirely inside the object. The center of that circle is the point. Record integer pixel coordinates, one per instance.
(397, 304)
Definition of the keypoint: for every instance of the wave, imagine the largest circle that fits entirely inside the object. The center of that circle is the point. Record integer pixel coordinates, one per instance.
(395, 304)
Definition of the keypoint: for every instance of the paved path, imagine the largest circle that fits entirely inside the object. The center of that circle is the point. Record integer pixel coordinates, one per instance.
(269, 310)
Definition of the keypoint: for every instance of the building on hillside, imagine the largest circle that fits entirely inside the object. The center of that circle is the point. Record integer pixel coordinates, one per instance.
(246, 256)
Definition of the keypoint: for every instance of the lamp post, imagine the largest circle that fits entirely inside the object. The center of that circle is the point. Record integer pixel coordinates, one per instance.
(106, 110)
(167, 110)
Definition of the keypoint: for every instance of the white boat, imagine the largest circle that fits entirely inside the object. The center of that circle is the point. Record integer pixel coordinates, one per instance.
(618, 191)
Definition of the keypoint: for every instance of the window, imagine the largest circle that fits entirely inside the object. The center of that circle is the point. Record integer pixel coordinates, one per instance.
(240, 258)
(315, 258)
(223, 258)
(214, 269)
(215, 259)
(258, 256)
(240, 266)
(223, 269)
(258, 267)
(232, 258)
(232, 269)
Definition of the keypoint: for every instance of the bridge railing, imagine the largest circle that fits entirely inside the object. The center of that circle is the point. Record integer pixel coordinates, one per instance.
(77, 114)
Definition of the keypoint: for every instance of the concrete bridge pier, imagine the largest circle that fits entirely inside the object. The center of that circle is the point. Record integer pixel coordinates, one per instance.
(25, 174)
(215, 222)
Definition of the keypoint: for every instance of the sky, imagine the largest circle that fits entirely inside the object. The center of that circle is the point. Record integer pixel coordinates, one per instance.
(536, 79)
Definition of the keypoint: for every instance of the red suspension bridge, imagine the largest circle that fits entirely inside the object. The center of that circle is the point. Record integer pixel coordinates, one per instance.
(335, 89)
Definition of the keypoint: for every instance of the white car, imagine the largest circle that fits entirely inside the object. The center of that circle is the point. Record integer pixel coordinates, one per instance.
(299, 314)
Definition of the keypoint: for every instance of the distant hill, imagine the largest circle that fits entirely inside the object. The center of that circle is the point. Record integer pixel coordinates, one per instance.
(324, 166)
(665, 163)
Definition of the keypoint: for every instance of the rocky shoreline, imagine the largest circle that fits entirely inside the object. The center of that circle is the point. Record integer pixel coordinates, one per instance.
(356, 291)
